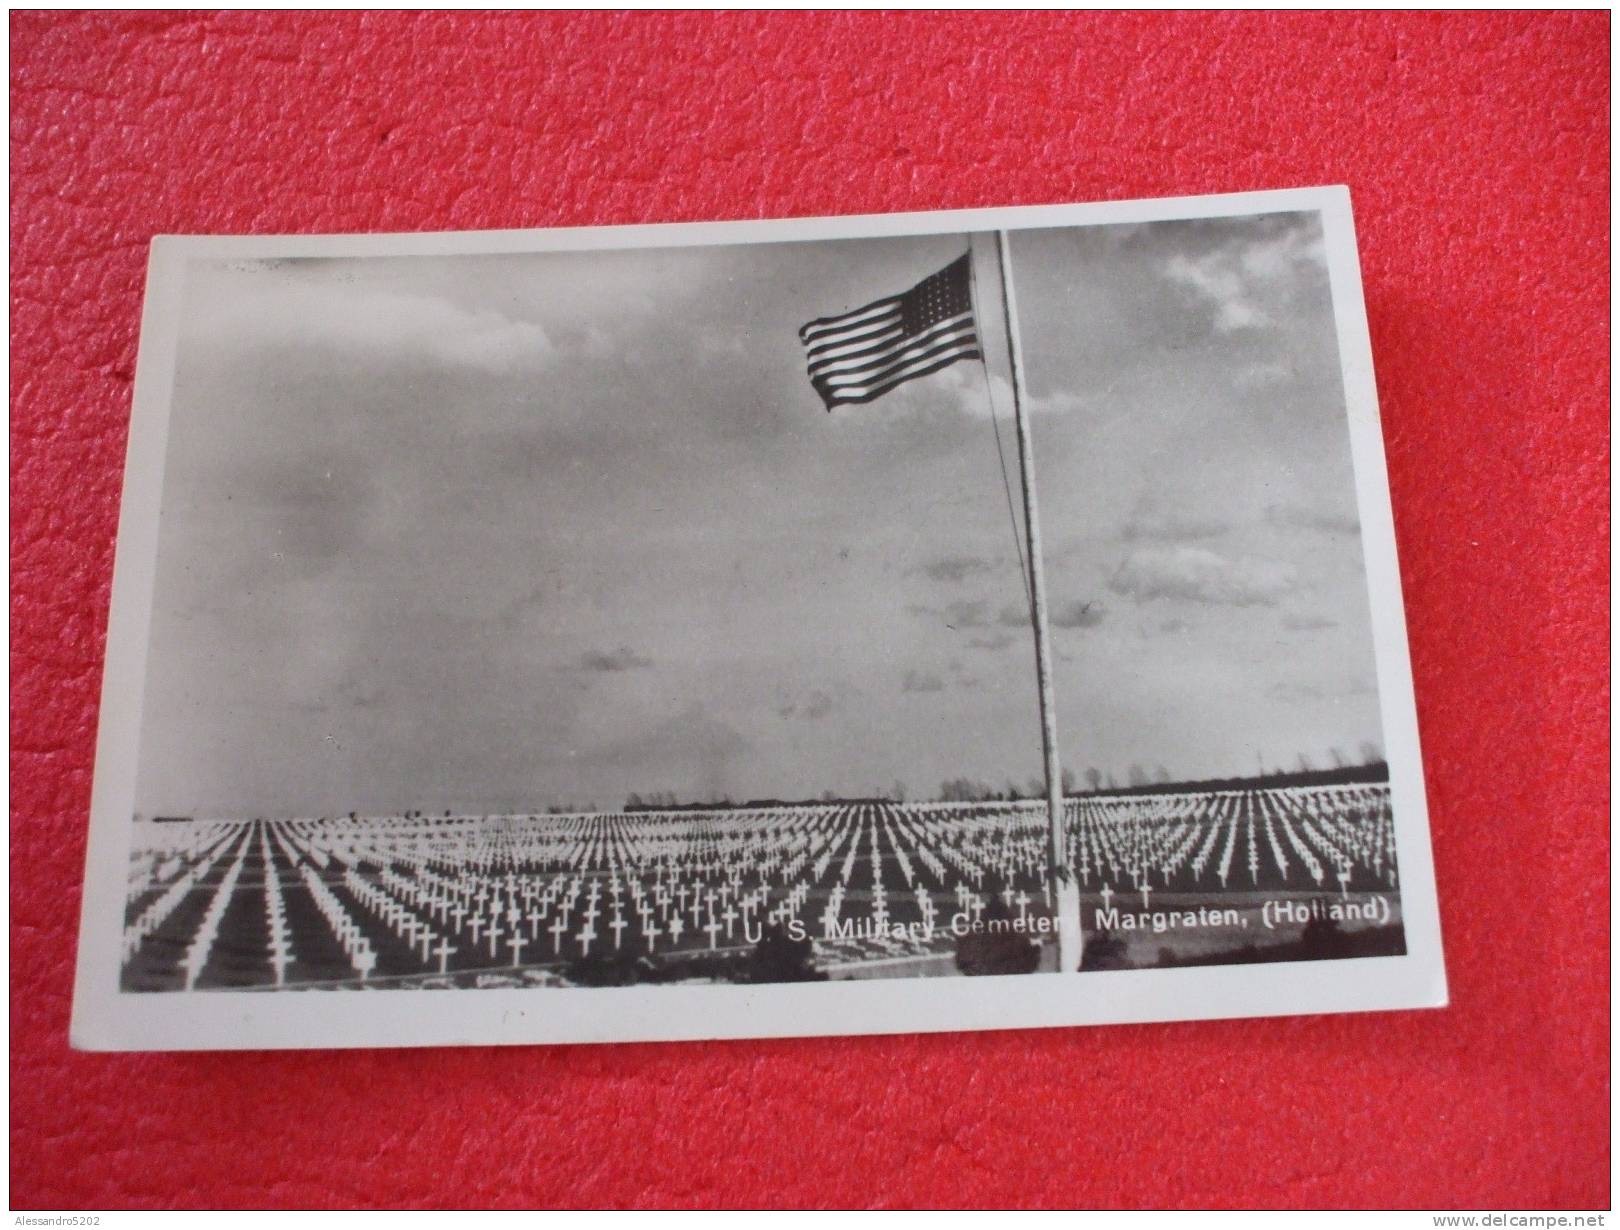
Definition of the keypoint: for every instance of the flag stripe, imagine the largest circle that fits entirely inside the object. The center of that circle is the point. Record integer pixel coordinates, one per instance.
(844, 342)
(827, 324)
(852, 398)
(861, 353)
(877, 357)
(861, 379)
(858, 355)
(899, 371)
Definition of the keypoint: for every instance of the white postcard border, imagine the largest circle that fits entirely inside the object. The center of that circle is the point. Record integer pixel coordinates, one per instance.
(104, 1018)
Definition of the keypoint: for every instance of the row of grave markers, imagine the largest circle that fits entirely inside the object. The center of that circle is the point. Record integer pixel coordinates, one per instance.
(417, 896)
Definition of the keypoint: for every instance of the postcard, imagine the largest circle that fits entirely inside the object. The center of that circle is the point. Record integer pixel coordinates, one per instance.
(942, 621)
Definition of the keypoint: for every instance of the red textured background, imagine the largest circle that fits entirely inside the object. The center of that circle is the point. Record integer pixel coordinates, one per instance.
(1476, 148)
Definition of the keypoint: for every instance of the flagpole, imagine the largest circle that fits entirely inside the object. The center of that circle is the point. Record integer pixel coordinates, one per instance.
(1065, 887)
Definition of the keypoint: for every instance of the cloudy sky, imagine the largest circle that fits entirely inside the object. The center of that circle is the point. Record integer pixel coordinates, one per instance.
(490, 533)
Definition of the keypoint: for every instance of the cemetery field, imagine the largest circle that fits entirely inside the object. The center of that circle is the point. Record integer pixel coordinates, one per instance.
(837, 890)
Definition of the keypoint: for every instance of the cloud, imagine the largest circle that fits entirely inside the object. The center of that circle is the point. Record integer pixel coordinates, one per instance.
(1265, 374)
(995, 641)
(1315, 520)
(1194, 574)
(358, 695)
(1294, 693)
(1214, 278)
(956, 615)
(523, 608)
(1165, 525)
(976, 615)
(1013, 617)
(921, 681)
(954, 569)
(1248, 283)
(281, 306)
(350, 696)
(963, 385)
(1301, 692)
(815, 705)
(1078, 614)
(621, 659)
(693, 750)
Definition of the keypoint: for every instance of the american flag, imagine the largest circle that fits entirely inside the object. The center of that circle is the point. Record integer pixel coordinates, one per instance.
(861, 355)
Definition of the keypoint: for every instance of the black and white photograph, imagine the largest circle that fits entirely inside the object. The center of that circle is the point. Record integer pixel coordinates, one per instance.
(854, 625)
